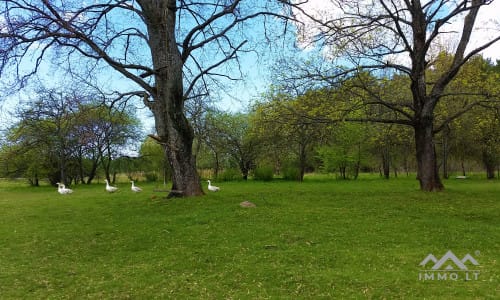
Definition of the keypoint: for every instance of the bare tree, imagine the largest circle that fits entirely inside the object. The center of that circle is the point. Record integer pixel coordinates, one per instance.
(161, 46)
(388, 37)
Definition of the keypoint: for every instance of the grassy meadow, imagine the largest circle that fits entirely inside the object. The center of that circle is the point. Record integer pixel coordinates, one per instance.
(320, 239)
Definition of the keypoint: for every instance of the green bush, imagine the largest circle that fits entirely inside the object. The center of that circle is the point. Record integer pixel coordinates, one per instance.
(151, 177)
(264, 173)
(230, 175)
(291, 173)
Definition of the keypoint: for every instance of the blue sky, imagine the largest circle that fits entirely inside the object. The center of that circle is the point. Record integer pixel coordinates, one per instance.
(256, 70)
(237, 97)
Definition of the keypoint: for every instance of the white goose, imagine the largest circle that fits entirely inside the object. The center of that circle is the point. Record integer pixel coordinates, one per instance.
(134, 188)
(61, 188)
(109, 188)
(212, 187)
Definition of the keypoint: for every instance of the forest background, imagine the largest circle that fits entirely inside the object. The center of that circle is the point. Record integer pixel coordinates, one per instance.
(67, 133)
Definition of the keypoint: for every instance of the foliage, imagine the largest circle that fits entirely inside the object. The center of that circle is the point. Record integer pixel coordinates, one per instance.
(366, 44)
(460, 139)
(289, 128)
(65, 137)
(167, 51)
(344, 153)
(230, 174)
(391, 146)
(291, 172)
(17, 162)
(486, 133)
(151, 176)
(228, 135)
(263, 173)
(153, 160)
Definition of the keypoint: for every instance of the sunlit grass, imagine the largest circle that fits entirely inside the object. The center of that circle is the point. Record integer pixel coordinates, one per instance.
(322, 238)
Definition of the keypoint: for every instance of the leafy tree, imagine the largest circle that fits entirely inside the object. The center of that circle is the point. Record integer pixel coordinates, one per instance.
(372, 37)
(153, 159)
(289, 127)
(169, 50)
(16, 162)
(486, 134)
(58, 135)
(101, 131)
(45, 128)
(118, 128)
(391, 145)
(458, 139)
(345, 151)
(230, 133)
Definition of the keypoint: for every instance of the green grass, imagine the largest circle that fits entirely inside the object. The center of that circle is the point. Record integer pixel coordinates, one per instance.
(320, 239)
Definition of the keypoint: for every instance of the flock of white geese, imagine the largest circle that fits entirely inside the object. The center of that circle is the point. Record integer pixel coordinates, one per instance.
(63, 190)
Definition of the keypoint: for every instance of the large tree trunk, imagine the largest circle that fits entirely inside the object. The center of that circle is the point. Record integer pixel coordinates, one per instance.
(172, 126)
(185, 179)
(427, 168)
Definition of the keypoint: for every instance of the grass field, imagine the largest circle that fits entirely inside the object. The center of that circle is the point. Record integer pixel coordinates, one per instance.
(321, 239)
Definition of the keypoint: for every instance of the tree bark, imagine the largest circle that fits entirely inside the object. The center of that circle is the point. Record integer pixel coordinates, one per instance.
(446, 150)
(386, 162)
(93, 172)
(172, 126)
(217, 165)
(427, 168)
(244, 168)
(302, 161)
(489, 164)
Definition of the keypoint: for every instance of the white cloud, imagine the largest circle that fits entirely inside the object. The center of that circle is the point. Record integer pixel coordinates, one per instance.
(487, 26)
(309, 29)
(3, 25)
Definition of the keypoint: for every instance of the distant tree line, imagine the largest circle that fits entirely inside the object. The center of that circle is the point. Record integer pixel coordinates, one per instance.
(71, 137)
(378, 54)
(66, 137)
(329, 129)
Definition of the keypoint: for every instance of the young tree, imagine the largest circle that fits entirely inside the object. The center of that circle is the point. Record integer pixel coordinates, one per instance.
(116, 128)
(344, 152)
(388, 37)
(455, 139)
(158, 45)
(154, 161)
(24, 158)
(486, 131)
(45, 126)
(59, 133)
(289, 125)
(230, 133)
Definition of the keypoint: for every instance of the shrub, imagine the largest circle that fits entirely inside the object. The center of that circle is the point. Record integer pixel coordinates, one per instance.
(230, 175)
(291, 173)
(264, 173)
(151, 176)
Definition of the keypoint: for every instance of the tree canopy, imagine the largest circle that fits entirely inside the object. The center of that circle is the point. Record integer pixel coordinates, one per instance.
(391, 62)
(65, 137)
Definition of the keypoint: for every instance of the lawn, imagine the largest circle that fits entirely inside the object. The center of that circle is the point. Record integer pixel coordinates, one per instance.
(320, 239)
